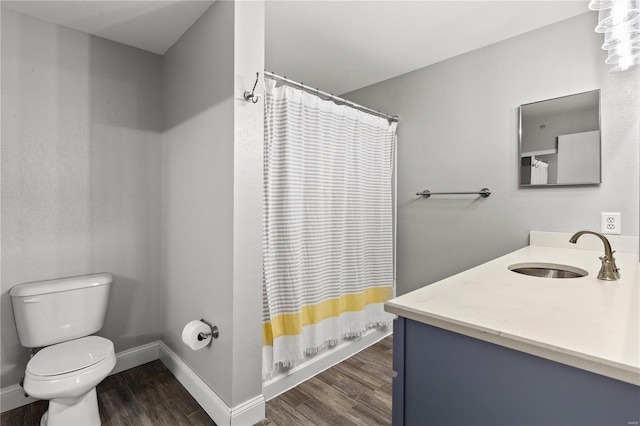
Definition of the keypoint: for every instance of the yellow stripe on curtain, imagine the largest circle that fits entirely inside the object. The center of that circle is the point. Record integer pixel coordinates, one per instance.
(291, 324)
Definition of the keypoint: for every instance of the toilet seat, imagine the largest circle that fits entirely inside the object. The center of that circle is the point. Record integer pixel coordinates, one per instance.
(69, 356)
(80, 365)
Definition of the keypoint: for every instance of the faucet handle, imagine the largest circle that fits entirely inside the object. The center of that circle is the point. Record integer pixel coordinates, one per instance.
(609, 271)
(614, 266)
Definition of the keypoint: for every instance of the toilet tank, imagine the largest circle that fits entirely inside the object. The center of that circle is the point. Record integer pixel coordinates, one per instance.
(54, 311)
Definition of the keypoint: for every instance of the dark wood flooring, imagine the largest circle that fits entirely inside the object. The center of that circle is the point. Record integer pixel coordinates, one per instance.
(145, 395)
(355, 392)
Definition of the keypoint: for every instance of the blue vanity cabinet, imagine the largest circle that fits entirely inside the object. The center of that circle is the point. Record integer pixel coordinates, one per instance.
(445, 378)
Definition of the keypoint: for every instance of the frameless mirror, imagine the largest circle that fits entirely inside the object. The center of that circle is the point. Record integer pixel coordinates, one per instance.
(560, 141)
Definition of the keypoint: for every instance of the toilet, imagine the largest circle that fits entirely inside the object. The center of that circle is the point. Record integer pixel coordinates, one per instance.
(60, 317)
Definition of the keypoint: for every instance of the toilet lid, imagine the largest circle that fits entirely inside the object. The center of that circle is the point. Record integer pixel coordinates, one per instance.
(70, 356)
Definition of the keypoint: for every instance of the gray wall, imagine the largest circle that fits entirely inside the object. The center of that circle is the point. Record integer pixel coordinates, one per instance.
(249, 38)
(459, 131)
(94, 178)
(81, 133)
(211, 186)
(197, 191)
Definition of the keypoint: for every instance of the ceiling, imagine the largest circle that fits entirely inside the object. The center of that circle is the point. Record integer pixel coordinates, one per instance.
(337, 46)
(153, 25)
(342, 46)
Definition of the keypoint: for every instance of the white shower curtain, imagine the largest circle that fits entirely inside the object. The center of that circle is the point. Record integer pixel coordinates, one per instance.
(539, 172)
(328, 233)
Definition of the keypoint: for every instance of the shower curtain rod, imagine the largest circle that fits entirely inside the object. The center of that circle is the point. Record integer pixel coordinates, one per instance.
(332, 97)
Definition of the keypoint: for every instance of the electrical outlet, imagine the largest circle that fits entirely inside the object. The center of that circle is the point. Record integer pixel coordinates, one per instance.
(610, 223)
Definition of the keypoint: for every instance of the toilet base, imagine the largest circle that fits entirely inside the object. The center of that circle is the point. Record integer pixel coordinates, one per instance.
(73, 411)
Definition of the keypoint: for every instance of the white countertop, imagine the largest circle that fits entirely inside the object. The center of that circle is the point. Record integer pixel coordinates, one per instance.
(583, 322)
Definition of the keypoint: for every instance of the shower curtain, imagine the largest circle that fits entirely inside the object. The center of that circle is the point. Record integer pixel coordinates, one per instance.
(539, 172)
(328, 232)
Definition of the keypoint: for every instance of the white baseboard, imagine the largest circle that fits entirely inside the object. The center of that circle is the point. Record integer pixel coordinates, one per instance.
(13, 396)
(292, 378)
(250, 411)
(136, 356)
(247, 413)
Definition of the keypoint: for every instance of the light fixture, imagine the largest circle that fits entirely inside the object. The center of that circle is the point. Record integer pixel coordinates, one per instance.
(619, 21)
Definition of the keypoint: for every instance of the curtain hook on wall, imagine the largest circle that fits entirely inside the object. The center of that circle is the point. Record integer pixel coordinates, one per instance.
(252, 96)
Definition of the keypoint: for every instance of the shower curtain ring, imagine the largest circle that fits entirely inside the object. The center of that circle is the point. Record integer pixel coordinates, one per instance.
(251, 96)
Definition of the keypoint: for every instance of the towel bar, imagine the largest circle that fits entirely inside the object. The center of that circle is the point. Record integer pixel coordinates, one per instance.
(484, 192)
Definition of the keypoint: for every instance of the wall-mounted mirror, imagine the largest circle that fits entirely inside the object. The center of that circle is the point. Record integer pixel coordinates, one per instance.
(560, 141)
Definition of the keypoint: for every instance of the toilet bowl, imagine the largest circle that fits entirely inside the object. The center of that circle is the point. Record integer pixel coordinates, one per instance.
(67, 374)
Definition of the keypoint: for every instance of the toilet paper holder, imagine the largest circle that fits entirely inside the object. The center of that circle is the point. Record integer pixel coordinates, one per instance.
(214, 331)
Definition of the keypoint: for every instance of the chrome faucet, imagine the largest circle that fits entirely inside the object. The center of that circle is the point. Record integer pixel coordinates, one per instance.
(609, 271)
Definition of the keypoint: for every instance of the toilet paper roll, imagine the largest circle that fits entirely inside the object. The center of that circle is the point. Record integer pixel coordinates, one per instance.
(190, 334)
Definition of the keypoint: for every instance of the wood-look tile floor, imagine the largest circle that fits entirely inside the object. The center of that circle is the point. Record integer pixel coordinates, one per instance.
(355, 392)
(145, 395)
